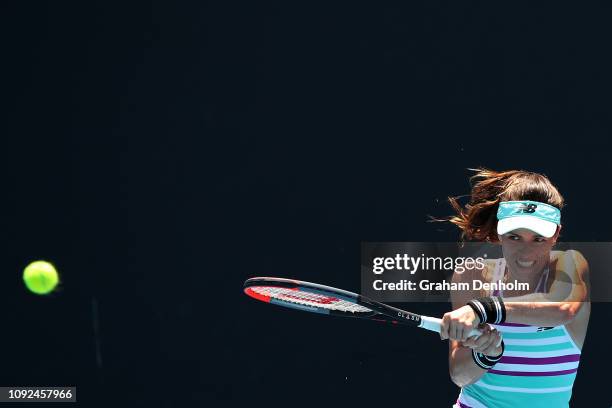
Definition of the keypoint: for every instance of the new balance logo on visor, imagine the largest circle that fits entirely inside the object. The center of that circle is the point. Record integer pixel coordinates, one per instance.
(539, 217)
(529, 208)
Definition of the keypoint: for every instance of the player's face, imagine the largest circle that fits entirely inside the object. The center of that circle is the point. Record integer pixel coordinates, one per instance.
(526, 252)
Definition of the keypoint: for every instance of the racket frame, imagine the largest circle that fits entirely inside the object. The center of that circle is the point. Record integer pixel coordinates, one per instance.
(379, 311)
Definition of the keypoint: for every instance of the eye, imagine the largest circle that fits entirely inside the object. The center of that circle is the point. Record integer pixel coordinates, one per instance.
(540, 239)
(514, 237)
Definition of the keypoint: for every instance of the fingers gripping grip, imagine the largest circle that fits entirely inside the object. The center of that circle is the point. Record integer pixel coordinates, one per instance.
(434, 324)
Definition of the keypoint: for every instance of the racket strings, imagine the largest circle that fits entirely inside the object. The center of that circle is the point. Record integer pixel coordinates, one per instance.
(310, 299)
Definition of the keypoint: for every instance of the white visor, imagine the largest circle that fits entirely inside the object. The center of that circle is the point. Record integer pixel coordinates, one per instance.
(539, 226)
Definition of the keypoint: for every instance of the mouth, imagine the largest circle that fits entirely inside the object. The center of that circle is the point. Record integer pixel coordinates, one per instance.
(525, 264)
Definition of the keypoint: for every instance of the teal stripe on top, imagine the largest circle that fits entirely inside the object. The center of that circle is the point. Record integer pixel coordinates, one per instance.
(552, 381)
(547, 334)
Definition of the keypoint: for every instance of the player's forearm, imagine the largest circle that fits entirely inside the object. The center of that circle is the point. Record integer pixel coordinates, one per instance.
(536, 309)
(463, 370)
(539, 310)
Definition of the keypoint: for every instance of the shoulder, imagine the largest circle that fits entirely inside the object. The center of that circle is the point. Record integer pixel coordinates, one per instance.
(570, 253)
(571, 263)
(570, 276)
(578, 259)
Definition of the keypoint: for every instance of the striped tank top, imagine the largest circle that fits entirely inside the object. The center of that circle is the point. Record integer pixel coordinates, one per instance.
(537, 369)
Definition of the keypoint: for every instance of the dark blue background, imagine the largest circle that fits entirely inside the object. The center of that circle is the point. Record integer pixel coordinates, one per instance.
(161, 153)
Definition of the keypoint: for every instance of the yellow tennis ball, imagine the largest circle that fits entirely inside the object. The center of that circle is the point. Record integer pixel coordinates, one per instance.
(40, 277)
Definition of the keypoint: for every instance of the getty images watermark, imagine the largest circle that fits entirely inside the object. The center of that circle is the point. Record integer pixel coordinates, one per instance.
(412, 264)
(432, 272)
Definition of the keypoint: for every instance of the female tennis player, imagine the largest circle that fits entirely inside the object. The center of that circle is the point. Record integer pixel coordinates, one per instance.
(542, 328)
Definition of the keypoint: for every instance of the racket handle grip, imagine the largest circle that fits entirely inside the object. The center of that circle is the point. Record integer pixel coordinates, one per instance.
(434, 324)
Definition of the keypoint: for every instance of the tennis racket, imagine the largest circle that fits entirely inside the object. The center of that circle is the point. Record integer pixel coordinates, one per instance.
(311, 297)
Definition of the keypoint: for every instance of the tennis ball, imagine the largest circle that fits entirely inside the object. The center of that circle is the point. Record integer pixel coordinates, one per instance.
(40, 277)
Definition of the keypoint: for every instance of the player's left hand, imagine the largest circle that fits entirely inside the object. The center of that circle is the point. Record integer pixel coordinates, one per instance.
(488, 343)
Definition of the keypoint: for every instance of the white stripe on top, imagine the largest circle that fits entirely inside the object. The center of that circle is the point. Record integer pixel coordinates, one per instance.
(540, 354)
(535, 368)
(535, 342)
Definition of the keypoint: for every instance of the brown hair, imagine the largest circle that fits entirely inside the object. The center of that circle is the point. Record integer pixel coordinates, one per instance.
(478, 219)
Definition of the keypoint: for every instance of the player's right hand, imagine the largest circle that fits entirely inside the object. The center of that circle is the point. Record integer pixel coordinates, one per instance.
(458, 324)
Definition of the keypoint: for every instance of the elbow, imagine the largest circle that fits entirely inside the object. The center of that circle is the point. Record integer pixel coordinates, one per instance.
(457, 381)
(569, 311)
(458, 378)
(453, 377)
(460, 382)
